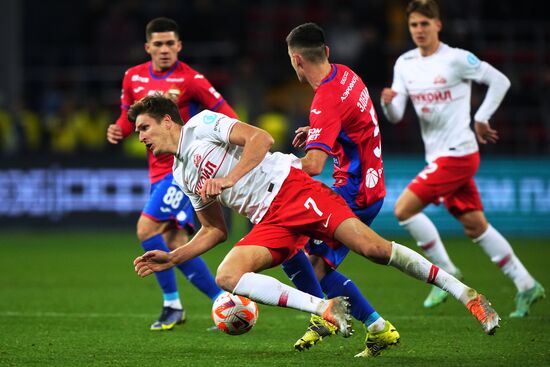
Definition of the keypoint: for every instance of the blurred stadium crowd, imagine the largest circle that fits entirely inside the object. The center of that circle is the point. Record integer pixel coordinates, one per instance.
(70, 57)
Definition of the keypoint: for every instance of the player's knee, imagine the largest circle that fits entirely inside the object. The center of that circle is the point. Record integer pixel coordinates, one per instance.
(474, 230)
(144, 232)
(227, 280)
(401, 213)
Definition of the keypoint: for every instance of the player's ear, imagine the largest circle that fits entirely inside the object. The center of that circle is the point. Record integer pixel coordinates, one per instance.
(438, 24)
(146, 47)
(327, 51)
(179, 45)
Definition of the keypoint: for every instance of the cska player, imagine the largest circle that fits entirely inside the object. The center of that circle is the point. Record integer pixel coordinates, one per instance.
(342, 124)
(167, 220)
(438, 78)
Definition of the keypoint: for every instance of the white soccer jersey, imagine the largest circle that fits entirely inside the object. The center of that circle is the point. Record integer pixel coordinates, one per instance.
(439, 87)
(204, 152)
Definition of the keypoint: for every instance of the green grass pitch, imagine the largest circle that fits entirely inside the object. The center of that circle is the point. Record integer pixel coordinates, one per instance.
(72, 299)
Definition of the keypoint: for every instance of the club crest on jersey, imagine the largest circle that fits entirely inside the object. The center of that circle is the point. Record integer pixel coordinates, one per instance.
(440, 80)
(197, 159)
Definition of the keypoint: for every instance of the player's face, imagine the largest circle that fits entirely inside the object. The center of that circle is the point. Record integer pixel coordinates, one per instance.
(152, 134)
(163, 48)
(424, 30)
(294, 61)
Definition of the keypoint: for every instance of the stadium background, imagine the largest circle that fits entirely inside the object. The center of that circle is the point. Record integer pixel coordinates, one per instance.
(69, 201)
(62, 64)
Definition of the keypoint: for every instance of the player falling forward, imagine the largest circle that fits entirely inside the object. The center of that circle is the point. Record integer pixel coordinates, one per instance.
(438, 79)
(221, 161)
(167, 218)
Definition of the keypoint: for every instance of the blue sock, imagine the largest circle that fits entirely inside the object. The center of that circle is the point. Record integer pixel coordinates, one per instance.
(301, 273)
(196, 271)
(336, 284)
(167, 278)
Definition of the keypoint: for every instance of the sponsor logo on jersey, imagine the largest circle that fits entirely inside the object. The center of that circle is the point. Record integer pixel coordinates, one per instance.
(437, 96)
(209, 119)
(197, 158)
(175, 80)
(138, 89)
(314, 133)
(425, 109)
(349, 88)
(316, 111)
(142, 79)
(440, 80)
(344, 77)
(207, 172)
(472, 59)
(154, 92)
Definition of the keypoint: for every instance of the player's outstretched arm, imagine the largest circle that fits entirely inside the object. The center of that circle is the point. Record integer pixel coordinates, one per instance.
(151, 262)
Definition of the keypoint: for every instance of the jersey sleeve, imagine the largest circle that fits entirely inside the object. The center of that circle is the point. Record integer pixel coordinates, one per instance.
(126, 101)
(469, 66)
(204, 93)
(398, 83)
(213, 126)
(324, 125)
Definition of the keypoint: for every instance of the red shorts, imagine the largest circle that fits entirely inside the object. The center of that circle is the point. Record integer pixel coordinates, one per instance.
(450, 180)
(303, 208)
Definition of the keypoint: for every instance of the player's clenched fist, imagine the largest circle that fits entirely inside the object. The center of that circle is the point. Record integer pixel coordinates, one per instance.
(387, 95)
(114, 134)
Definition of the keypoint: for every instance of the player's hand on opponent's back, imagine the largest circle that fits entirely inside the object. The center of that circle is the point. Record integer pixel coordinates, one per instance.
(387, 95)
(152, 262)
(114, 134)
(300, 137)
(485, 134)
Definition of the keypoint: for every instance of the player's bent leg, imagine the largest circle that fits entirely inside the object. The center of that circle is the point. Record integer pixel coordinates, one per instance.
(149, 233)
(195, 270)
(501, 254)
(269, 291)
(408, 210)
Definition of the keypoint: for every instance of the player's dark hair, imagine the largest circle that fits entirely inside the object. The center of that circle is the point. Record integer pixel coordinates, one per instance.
(156, 106)
(159, 25)
(309, 40)
(428, 8)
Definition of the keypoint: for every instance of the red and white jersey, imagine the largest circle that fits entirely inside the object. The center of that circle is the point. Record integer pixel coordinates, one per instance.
(344, 124)
(439, 87)
(204, 152)
(184, 85)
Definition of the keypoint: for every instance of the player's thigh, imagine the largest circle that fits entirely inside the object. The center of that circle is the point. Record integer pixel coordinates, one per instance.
(147, 227)
(407, 205)
(176, 237)
(241, 260)
(359, 238)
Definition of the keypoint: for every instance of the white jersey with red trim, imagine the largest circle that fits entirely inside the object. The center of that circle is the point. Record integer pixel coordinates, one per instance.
(204, 152)
(439, 87)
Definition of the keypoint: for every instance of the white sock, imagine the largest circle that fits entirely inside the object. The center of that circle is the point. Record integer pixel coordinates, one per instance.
(175, 303)
(269, 291)
(422, 229)
(502, 254)
(415, 265)
(376, 326)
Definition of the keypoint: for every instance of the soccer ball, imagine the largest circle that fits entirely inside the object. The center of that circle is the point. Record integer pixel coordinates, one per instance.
(234, 315)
